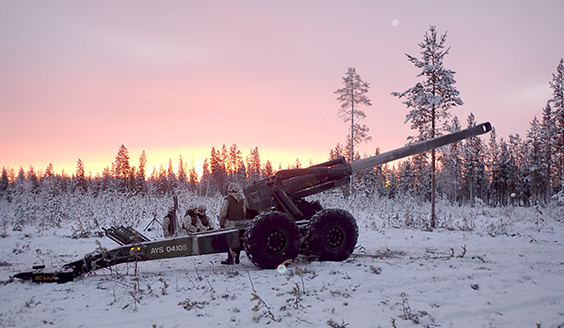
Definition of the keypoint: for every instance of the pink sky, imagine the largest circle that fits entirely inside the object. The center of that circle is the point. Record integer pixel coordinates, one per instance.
(175, 78)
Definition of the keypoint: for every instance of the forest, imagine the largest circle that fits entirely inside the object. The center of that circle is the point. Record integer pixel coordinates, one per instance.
(517, 171)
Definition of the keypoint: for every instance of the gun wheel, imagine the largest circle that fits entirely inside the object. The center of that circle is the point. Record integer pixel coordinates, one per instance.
(271, 239)
(332, 235)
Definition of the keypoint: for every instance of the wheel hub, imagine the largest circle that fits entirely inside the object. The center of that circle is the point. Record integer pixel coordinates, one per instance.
(276, 242)
(335, 237)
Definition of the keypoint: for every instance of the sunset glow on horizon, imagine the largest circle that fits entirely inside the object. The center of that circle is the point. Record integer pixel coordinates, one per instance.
(176, 78)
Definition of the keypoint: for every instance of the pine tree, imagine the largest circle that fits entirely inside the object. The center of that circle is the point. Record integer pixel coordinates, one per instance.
(518, 152)
(474, 172)
(548, 140)
(351, 97)
(205, 182)
(182, 173)
(406, 178)
(4, 182)
(450, 157)
(140, 174)
(162, 180)
(171, 178)
(337, 152)
(122, 169)
(507, 177)
(81, 183)
(236, 170)
(535, 173)
(428, 102)
(557, 101)
(267, 169)
(254, 166)
(33, 180)
(193, 176)
(49, 171)
(493, 165)
(217, 168)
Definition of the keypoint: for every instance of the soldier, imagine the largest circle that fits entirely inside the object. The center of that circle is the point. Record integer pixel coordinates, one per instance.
(233, 209)
(187, 225)
(169, 224)
(201, 213)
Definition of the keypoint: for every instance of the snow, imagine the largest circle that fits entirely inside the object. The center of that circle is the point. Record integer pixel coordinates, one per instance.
(395, 278)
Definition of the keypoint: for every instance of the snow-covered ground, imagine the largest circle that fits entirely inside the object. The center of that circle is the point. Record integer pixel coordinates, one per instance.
(395, 278)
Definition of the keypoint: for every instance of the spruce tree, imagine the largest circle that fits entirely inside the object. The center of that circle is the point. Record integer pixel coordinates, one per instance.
(122, 169)
(493, 160)
(547, 135)
(4, 182)
(450, 158)
(254, 166)
(81, 183)
(474, 171)
(535, 173)
(140, 174)
(193, 176)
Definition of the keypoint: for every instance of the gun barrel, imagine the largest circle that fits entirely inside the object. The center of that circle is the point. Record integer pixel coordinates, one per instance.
(419, 147)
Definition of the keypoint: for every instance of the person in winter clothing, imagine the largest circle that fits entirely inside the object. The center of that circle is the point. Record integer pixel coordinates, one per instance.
(187, 225)
(233, 210)
(169, 223)
(192, 221)
(201, 213)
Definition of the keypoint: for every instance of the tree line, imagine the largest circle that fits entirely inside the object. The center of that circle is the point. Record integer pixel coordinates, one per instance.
(218, 170)
(497, 172)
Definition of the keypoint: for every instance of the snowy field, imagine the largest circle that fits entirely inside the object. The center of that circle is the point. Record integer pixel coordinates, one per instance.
(502, 268)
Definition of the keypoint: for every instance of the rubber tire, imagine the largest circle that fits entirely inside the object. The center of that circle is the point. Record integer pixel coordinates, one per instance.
(270, 239)
(332, 235)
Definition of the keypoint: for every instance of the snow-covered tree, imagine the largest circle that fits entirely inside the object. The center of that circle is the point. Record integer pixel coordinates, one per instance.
(493, 167)
(428, 101)
(4, 182)
(140, 174)
(267, 169)
(217, 168)
(535, 172)
(253, 166)
(547, 134)
(336, 152)
(122, 169)
(81, 182)
(193, 176)
(519, 154)
(235, 165)
(450, 157)
(474, 176)
(405, 177)
(352, 96)
(205, 182)
(557, 102)
(171, 178)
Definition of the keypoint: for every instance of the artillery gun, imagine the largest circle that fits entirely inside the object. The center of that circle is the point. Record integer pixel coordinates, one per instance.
(280, 223)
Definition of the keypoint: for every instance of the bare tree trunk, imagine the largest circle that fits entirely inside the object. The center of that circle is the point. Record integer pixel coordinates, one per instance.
(352, 138)
(433, 191)
(433, 182)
